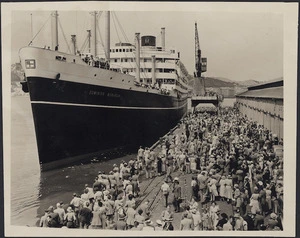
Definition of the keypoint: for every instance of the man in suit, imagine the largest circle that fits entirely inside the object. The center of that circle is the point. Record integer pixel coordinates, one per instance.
(177, 195)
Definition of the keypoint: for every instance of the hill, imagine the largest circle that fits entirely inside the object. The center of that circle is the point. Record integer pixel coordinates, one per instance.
(217, 83)
(17, 75)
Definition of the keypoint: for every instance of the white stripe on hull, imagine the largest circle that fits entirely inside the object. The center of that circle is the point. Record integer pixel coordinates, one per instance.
(106, 106)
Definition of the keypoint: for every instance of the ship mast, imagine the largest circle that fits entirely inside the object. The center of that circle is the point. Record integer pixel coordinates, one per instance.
(137, 56)
(54, 29)
(94, 33)
(73, 38)
(107, 36)
(89, 40)
(31, 26)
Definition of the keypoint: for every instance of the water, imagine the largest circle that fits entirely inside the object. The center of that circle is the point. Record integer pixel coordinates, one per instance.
(33, 191)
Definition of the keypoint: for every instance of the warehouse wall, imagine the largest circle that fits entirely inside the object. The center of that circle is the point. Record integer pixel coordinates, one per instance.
(267, 112)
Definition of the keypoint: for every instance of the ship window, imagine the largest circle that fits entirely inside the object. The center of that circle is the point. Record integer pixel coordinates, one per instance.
(125, 60)
(117, 50)
(59, 57)
(127, 50)
(130, 50)
(123, 50)
(30, 64)
(116, 60)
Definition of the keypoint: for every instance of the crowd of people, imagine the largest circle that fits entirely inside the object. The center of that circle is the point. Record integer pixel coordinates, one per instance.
(230, 160)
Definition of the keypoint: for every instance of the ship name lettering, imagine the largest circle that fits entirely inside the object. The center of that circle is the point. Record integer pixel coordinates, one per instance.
(113, 95)
(96, 93)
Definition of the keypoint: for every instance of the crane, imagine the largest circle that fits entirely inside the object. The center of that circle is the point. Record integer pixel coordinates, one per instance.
(200, 66)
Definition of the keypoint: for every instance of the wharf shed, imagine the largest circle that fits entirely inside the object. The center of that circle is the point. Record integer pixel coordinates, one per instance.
(264, 103)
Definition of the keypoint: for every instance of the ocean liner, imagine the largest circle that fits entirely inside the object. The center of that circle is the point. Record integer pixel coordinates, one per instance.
(83, 105)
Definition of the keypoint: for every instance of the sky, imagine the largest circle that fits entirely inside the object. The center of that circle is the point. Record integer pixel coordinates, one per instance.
(238, 45)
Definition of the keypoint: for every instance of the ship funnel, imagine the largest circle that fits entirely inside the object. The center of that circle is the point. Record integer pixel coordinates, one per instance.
(163, 36)
(137, 56)
(153, 70)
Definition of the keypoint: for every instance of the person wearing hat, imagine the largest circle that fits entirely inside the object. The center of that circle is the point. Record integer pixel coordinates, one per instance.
(75, 202)
(145, 208)
(70, 218)
(44, 220)
(167, 215)
(53, 218)
(140, 218)
(111, 178)
(177, 195)
(148, 226)
(222, 221)
(121, 224)
(165, 188)
(272, 221)
(222, 187)
(61, 212)
(249, 218)
(202, 181)
(130, 217)
(90, 192)
(85, 216)
(185, 223)
(136, 226)
(85, 196)
(228, 188)
(159, 226)
(196, 218)
(228, 225)
(240, 223)
(254, 204)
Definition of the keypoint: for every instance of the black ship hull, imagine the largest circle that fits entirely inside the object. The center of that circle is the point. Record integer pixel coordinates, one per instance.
(73, 120)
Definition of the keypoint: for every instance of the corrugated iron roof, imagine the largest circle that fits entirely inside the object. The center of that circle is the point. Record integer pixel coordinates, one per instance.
(269, 84)
(276, 92)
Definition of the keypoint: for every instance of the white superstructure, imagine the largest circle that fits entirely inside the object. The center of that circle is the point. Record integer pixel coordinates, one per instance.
(158, 67)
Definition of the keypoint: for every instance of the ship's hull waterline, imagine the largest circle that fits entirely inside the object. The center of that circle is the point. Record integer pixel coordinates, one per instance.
(75, 120)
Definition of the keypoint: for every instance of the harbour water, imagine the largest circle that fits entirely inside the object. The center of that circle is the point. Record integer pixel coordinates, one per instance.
(33, 191)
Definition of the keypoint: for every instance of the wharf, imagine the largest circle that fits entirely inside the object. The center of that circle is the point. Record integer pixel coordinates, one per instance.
(151, 190)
